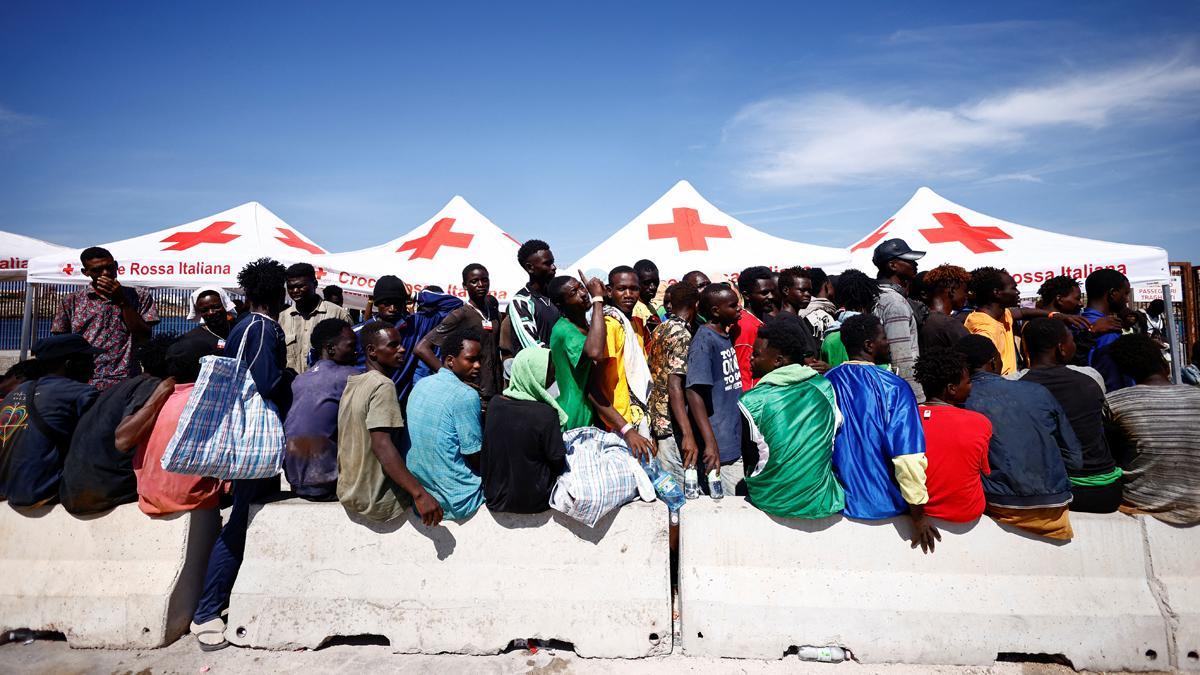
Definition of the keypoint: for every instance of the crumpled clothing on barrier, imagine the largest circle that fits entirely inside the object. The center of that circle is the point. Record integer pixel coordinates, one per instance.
(601, 476)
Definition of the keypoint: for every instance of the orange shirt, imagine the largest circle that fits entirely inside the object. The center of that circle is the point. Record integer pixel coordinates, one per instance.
(162, 492)
(1000, 333)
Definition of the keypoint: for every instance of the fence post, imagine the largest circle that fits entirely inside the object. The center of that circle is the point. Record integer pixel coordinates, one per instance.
(1169, 322)
(27, 321)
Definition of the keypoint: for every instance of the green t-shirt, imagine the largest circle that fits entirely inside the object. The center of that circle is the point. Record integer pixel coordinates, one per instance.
(368, 402)
(571, 372)
(833, 351)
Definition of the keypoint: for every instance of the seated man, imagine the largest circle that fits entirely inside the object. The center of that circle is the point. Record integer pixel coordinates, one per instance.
(1096, 487)
(523, 451)
(310, 462)
(879, 454)
(373, 481)
(161, 492)
(41, 417)
(98, 473)
(791, 418)
(956, 440)
(1156, 434)
(1032, 445)
(444, 426)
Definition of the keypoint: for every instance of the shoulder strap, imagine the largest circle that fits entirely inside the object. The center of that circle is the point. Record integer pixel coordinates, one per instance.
(59, 439)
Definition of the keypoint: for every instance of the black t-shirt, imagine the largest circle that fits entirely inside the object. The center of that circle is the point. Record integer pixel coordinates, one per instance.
(1083, 402)
(523, 455)
(940, 330)
(97, 476)
(205, 337)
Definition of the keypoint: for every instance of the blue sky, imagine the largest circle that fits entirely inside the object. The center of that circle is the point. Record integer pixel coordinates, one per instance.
(356, 121)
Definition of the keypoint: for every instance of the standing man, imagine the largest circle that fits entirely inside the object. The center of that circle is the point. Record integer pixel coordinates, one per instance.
(697, 278)
(306, 311)
(446, 428)
(795, 290)
(879, 454)
(760, 293)
(624, 375)
(531, 313)
(1032, 446)
(481, 313)
(947, 288)
(669, 423)
(897, 266)
(213, 308)
(1060, 294)
(1107, 297)
(791, 418)
(996, 313)
(645, 310)
(858, 294)
(111, 317)
(714, 383)
(821, 311)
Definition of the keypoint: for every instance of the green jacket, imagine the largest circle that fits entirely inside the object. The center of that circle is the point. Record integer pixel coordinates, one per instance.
(793, 417)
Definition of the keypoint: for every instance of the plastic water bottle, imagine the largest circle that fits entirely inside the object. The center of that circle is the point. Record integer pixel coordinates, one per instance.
(823, 654)
(715, 489)
(691, 483)
(664, 485)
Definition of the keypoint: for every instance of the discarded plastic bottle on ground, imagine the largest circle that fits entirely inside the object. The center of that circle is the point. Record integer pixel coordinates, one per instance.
(715, 489)
(823, 654)
(664, 485)
(691, 483)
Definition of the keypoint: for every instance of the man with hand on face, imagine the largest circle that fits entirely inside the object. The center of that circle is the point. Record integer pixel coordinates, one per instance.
(645, 311)
(446, 429)
(373, 479)
(532, 314)
(714, 383)
(791, 418)
(577, 348)
(306, 311)
(111, 317)
(879, 454)
(212, 307)
(480, 313)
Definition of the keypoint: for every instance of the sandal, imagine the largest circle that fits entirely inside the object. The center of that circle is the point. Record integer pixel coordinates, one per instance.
(210, 635)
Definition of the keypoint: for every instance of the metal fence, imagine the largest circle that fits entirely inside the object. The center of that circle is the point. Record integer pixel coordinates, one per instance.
(173, 305)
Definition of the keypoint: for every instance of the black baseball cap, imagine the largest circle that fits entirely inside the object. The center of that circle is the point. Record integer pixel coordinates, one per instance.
(62, 346)
(895, 248)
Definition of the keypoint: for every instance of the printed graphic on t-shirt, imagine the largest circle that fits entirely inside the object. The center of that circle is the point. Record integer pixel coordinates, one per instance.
(730, 370)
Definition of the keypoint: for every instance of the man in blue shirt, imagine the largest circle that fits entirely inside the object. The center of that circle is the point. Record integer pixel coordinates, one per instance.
(1032, 445)
(1107, 296)
(445, 428)
(714, 384)
(879, 453)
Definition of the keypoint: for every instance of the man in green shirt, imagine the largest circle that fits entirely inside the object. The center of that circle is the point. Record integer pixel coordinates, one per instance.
(576, 345)
(791, 418)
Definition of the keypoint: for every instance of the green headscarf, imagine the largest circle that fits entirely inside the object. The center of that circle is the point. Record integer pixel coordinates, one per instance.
(528, 380)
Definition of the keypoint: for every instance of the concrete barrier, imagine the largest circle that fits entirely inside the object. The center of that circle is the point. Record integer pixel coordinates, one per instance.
(1175, 560)
(752, 585)
(118, 580)
(312, 572)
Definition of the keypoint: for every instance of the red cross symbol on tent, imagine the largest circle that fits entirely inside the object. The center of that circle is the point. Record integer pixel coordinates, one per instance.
(873, 238)
(213, 234)
(68, 269)
(439, 235)
(977, 238)
(292, 239)
(686, 228)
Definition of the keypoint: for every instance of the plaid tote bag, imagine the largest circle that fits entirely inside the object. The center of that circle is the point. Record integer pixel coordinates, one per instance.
(227, 429)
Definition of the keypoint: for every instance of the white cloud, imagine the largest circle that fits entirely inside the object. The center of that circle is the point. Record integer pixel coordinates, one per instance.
(830, 138)
(12, 121)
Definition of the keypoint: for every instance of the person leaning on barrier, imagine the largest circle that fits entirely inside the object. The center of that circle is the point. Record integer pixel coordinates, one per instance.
(1032, 446)
(20, 372)
(879, 453)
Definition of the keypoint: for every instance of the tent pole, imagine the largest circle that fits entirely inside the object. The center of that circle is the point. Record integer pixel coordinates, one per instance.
(1169, 310)
(27, 321)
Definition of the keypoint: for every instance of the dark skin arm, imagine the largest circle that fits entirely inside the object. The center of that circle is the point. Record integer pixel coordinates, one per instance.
(712, 457)
(136, 428)
(639, 445)
(677, 400)
(924, 533)
(110, 288)
(1022, 313)
(393, 465)
(424, 351)
(593, 346)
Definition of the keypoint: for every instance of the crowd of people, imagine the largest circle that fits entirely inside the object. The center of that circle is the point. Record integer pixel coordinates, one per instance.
(931, 395)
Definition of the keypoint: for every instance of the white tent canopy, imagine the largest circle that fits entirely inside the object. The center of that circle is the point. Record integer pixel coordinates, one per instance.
(207, 251)
(954, 234)
(682, 232)
(16, 250)
(433, 253)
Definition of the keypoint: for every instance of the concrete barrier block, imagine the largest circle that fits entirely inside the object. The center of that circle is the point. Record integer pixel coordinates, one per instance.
(116, 580)
(1175, 561)
(752, 585)
(313, 572)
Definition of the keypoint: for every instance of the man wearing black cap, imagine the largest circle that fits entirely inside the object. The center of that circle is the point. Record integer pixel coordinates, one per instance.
(897, 265)
(40, 417)
(390, 300)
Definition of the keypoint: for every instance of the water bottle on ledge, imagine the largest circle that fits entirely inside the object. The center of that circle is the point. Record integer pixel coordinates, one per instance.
(664, 485)
(691, 483)
(823, 654)
(715, 489)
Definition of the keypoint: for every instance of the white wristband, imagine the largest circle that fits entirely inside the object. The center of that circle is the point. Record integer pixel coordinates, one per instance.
(625, 429)
(597, 298)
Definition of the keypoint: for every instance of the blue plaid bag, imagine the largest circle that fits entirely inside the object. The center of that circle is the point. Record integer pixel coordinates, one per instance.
(227, 430)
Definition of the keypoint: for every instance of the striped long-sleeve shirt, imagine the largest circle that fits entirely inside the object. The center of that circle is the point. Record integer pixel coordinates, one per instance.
(900, 326)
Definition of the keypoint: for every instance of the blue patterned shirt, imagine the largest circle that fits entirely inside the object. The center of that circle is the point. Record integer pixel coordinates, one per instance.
(444, 426)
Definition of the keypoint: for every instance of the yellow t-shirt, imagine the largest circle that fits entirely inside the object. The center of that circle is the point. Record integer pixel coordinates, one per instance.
(1001, 335)
(613, 381)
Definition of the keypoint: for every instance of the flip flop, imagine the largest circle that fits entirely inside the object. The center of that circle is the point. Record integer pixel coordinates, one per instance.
(210, 635)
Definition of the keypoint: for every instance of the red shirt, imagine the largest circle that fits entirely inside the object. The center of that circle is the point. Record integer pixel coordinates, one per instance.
(956, 447)
(743, 334)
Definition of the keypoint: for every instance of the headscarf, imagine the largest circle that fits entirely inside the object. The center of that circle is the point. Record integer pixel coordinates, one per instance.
(528, 381)
(225, 301)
